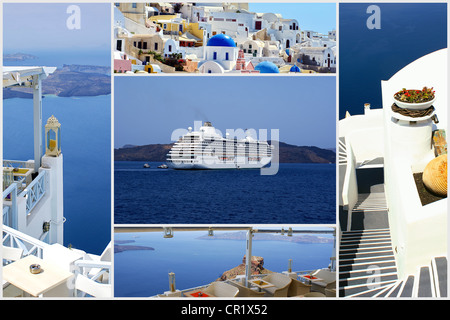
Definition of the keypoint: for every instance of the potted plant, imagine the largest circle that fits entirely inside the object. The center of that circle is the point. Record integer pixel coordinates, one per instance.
(415, 99)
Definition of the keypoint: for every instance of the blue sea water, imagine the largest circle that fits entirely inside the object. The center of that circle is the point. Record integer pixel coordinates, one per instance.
(367, 56)
(86, 148)
(298, 193)
(195, 262)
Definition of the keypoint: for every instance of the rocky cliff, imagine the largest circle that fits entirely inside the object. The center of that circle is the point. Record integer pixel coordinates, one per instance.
(257, 267)
(68, 81)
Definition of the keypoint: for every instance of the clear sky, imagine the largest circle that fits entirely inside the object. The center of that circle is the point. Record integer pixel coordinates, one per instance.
(320, 17)
(42, 26)
(303, 108)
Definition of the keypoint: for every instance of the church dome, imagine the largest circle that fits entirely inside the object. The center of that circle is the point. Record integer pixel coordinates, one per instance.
(221, 40)
(295, 68)
(267, 67)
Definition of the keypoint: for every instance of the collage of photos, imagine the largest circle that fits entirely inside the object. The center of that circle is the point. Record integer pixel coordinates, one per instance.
(194, 152)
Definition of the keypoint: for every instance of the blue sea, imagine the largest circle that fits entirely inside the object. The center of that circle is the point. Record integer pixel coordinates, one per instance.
(86, 147)
(298, 193)
(408, 32)
(195, 262)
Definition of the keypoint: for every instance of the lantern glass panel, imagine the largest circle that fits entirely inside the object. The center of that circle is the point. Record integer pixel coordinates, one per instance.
(59, 138)
(51, 139)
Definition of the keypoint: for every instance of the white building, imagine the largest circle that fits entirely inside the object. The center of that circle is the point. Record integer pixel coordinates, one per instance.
(318, 56)
(220, 55)
(172, 46)
(384, 149)
(33, 215)
(253, 48)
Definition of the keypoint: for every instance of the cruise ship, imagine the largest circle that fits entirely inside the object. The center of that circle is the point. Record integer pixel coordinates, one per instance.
(207, 149)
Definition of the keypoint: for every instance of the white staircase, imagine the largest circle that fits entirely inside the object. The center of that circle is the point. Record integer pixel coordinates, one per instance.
(367, 269)
(366, 262)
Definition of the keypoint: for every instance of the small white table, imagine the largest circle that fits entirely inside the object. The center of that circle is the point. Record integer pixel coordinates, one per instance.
(18, 274)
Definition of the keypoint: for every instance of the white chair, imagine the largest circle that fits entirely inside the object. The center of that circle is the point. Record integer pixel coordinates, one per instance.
(84, 285)
(246, 292)
(10, 255)
(281, 283)
(298, 288)
(221, 289)
(327, 278)
(105, 257)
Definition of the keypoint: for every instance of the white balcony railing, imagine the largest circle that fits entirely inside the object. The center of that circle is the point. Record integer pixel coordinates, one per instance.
(35, 190)
(29, 245)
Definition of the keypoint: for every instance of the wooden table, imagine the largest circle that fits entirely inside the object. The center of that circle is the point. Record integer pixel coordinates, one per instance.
(18, 274)
(261, 284)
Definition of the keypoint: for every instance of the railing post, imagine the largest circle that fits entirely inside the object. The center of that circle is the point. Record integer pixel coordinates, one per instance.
(172, 281)
(37, 120)
(248, 255)
(14, 211)
(13, 214)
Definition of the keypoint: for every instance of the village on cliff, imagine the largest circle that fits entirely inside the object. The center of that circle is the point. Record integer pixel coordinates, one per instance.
(215, 38)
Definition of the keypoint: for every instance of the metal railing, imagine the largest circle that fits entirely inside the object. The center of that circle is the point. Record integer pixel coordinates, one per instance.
(10, 206)
(94, 270)
(35, 191)
(258, 276)
(29, 245)
(18, 164)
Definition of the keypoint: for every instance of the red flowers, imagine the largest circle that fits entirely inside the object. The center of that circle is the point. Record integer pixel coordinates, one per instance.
(414, 95)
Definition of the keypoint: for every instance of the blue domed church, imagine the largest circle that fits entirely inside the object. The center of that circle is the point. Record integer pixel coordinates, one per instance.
(220, 55)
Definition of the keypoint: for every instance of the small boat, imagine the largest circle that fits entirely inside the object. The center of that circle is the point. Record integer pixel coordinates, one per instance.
(163, 166)
(146, 165)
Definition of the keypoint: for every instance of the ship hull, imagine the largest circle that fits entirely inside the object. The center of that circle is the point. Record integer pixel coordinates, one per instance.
(211, 166)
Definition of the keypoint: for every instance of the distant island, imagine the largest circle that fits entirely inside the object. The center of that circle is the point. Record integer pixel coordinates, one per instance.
(288, 153)
(68, 81)
(242, 235)
(18, 57)
(121, 246)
